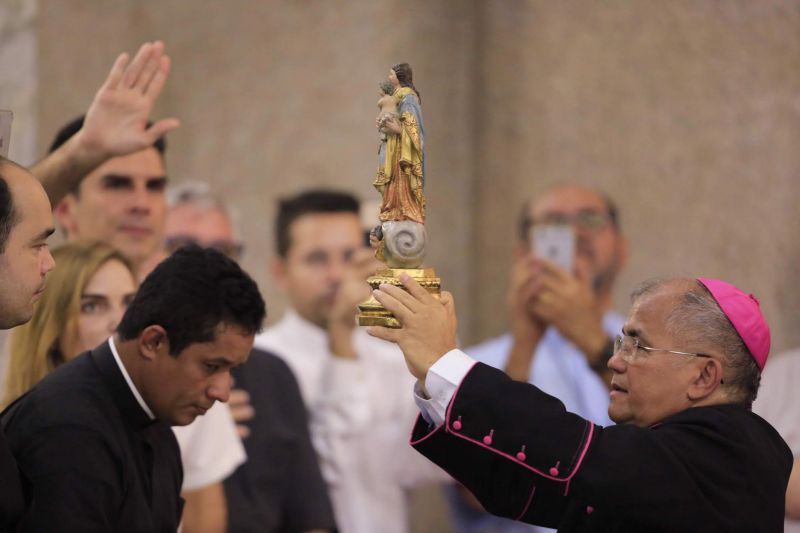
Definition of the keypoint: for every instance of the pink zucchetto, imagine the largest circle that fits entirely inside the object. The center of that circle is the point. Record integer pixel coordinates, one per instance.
(744, 312)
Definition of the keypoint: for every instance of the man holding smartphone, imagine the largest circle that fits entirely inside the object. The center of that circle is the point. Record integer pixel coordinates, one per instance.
(569, 253)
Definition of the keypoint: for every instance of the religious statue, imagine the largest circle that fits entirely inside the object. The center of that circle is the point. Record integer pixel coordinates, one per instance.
(401, 171)
(400, 238)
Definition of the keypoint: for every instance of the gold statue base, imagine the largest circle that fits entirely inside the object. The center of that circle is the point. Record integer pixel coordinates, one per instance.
(372, 313)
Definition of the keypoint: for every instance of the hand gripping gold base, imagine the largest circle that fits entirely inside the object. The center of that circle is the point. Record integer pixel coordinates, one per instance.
(372, 313)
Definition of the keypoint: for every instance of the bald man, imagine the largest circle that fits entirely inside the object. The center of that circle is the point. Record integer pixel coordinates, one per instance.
(26, 222)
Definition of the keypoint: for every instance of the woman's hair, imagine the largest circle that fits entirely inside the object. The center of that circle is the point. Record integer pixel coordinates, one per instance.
(405, 77)
(34, 347)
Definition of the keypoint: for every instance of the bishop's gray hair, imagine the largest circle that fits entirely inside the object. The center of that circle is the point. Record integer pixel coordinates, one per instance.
(699, 320)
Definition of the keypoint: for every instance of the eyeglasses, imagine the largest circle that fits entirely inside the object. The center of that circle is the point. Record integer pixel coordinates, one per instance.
(629, 347)
(231, 249)
(587, 220)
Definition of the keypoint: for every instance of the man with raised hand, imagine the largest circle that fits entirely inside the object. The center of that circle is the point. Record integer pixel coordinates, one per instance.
(105, 174)
(115, 125)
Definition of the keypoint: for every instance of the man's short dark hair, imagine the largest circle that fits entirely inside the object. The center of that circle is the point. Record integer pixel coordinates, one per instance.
(8, 214)
(309, 202)
(190, 294)
(74, 126)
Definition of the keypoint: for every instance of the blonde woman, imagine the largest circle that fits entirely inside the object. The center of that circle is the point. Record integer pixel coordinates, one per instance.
(86, 296)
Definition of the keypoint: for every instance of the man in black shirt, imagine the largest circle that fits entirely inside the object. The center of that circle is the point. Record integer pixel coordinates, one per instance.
(279, 489)
(25, 260)
(92, 440)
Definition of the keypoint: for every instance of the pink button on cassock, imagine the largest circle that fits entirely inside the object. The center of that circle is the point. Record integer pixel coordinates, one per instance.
(457, 425)
(553, 471)
(520, 456)
(589, 509)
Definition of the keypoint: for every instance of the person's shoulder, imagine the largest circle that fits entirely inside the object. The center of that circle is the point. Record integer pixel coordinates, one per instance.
(262, 365)
(266, 373)
(733, 422)
(268, 361)
(73, 394)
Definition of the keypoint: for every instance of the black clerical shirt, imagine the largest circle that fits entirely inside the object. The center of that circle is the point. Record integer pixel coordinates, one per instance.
(90, 458)
(11, 502)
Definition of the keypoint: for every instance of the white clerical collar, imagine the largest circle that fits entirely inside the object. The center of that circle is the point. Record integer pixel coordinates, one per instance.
(128, 380)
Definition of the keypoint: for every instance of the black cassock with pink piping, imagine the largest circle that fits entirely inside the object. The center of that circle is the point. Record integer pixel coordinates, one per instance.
(719, 468)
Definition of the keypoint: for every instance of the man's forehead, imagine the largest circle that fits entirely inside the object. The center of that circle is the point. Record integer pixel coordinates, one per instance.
(29, 196)
(567, 199)
(143, 164)
(328, 229)
(226, 337)
(202, 223)
(655, 306)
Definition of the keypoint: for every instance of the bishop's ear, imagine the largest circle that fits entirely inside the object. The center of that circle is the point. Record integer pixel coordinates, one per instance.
(153, 341)
(708, 379)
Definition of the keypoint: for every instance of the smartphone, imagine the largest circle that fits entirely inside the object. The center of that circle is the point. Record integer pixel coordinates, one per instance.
(6, 117)
(556, 244)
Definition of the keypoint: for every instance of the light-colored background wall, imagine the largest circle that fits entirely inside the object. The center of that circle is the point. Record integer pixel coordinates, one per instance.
(686, 112)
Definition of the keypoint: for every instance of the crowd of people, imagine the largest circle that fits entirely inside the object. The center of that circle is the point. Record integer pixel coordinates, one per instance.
(142, 395)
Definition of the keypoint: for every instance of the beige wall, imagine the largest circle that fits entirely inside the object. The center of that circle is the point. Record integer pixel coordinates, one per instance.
(276, 96)
(685, 112)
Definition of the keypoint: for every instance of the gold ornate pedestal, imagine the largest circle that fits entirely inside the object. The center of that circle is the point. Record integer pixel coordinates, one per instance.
(372, 313)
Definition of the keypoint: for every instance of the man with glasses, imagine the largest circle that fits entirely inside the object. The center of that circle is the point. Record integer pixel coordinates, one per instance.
(561, 323)
(687, 453)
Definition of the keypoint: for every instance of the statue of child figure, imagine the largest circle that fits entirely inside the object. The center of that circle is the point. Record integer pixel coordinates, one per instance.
(387, 108)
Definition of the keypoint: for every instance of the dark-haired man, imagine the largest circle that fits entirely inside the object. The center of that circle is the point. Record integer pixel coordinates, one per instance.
(352, 384)
(93, 439)
(687, 454)
(105, 174)
(25, 224)
(280, 487)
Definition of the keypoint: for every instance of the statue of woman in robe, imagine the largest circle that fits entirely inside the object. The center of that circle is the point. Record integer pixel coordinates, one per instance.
(401, 173)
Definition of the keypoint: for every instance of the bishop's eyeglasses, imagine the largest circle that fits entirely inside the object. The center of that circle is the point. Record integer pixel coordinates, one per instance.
(629, 348)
